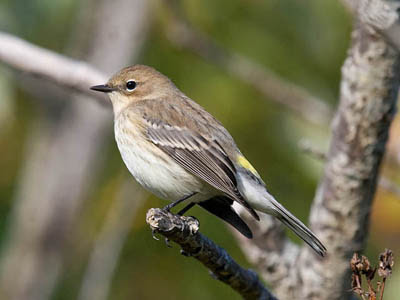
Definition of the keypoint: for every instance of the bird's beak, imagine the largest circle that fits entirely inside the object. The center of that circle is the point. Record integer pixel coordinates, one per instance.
(102, 88)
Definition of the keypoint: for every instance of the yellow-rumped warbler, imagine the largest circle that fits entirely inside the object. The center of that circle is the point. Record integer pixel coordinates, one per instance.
(178, 151)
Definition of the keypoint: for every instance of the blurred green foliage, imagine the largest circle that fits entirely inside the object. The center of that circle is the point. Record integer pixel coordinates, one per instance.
(303, 41)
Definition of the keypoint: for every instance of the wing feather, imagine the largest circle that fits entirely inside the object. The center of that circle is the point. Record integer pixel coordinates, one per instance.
(201, 156)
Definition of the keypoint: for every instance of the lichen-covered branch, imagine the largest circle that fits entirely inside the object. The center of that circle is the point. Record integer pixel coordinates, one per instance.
(382, 15)
(185, 232)
(341, 209)
(340, 213)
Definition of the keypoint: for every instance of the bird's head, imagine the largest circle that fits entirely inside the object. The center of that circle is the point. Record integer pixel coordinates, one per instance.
(136, 83)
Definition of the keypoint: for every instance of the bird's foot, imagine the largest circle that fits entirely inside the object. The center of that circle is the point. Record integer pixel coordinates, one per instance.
(153, 234)
(167, 208)
(184, 253)
(167, 243)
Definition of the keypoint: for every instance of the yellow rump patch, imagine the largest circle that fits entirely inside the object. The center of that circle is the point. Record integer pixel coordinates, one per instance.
(246, 164)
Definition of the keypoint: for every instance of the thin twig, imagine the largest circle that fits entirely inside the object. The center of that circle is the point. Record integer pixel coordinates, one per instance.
(41, 62)
(313, 151)
(382, 287)
(54, 189)
(308, 148)
(185, 232)
(389, 185)
(264, 80)
(385, 268)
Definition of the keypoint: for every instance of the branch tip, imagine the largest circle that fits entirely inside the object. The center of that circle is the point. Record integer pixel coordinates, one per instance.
(185, 232)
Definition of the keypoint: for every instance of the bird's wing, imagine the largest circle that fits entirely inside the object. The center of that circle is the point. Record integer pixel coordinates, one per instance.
(221, 207)
(198, 154)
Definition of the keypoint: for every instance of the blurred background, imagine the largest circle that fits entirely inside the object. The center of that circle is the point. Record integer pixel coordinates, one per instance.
(72, 219)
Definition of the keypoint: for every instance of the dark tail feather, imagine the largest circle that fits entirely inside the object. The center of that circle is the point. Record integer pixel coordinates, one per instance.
(221, 207)
(300, 229)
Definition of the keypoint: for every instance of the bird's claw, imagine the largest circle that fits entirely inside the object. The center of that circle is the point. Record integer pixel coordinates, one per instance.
(153, 234)
(168, 243)
(212, 274)
(184, 253)
(197, 220)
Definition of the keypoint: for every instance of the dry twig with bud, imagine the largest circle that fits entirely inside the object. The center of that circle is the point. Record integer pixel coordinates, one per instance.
(361, 267)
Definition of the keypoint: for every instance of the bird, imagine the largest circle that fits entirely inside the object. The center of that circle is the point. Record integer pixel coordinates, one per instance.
(178, 151)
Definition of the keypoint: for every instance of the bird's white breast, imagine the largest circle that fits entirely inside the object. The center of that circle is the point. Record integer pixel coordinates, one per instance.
(151, 167)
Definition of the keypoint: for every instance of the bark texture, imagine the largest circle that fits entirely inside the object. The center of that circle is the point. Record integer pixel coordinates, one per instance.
(185, 232)
(340, 214)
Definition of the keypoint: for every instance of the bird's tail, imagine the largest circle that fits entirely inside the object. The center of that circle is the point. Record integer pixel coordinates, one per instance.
(259, 198)
(298, 227)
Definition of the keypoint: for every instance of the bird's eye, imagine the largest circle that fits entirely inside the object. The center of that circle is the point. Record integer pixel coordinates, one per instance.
(130, 85)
